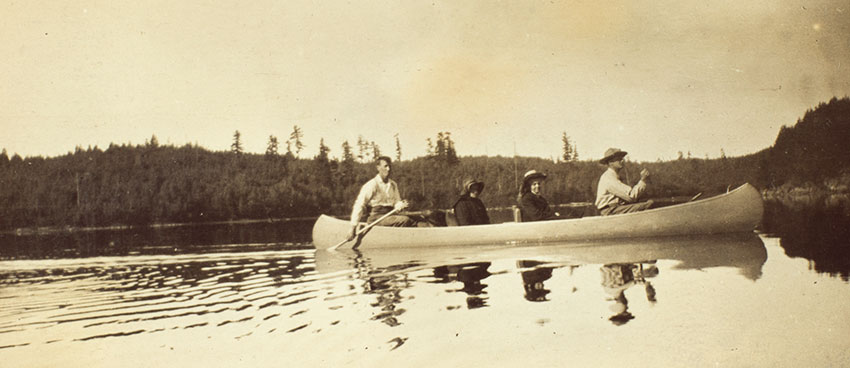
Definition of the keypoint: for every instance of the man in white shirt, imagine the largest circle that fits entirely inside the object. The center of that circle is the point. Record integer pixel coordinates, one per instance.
(612, 195)
(380, 195)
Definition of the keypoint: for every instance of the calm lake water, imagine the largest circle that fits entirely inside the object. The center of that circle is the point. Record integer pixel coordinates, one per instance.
(259, 295)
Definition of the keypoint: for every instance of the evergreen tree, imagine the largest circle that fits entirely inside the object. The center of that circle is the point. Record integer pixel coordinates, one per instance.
(295, 138)
(362, 149)
(376, 150)
(568, 151)
(347, 155)
(440, 148)
(236, 147)
(153, 142)
(323, 151)
(289, 155)
(347, 165)
(271, 149)
(451, 154)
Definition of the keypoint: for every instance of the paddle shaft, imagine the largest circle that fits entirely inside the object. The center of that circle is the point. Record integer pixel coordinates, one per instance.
(366, 228)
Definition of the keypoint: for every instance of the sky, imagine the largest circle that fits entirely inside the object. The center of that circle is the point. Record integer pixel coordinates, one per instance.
(503, 77)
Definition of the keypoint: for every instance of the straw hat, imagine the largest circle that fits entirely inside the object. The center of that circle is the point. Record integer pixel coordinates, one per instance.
(612, 153)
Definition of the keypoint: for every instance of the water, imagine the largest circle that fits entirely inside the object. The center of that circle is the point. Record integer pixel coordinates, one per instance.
(184, 297)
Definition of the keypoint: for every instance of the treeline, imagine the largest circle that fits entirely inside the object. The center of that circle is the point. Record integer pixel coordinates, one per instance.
(813, 150)
(144, 184)
(150, 183)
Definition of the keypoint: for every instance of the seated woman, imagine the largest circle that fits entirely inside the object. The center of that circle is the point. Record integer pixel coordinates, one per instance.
(469, 210)
(532, 205)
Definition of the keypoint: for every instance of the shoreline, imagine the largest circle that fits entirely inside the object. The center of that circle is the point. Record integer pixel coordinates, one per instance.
(803, 195)
(50, 230)
(47, 230)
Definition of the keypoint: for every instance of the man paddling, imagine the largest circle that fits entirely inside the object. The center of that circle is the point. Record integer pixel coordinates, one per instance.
(612, 195)
(381, 195)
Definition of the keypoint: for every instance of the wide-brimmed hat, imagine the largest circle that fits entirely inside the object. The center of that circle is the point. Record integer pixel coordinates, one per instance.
(533, 174)
(469, 183)
(612, 153)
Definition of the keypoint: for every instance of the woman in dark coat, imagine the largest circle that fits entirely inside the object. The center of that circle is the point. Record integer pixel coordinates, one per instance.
(469, 209)
(531, 202)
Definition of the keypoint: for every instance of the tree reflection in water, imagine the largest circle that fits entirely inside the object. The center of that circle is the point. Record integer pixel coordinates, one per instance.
(617, 278)
(816, 231)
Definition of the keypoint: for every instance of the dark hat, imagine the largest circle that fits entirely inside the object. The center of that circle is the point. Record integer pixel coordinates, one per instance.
(612, 153)
(533, 174)
(469, 183)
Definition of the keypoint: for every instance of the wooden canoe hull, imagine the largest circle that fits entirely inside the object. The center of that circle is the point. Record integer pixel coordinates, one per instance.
(739, 210)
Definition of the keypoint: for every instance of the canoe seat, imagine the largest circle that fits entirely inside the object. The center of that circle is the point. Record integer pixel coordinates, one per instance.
(517, 214)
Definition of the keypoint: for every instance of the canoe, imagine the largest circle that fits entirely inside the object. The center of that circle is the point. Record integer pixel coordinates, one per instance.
(737, 211)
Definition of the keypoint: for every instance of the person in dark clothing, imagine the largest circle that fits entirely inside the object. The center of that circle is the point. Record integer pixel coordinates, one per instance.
(532, 205)
(469, 209)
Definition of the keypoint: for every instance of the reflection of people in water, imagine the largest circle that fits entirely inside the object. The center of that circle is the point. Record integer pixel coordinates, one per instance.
(618, 277)
(470, 274)
(386, 288)
(532, 280)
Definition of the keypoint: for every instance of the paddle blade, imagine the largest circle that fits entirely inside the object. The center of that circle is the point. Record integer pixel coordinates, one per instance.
(338, 245)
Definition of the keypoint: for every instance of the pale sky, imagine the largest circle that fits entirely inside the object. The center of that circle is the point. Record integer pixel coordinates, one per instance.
(650, 77)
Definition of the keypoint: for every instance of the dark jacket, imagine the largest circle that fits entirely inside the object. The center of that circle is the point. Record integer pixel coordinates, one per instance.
(535, 208)
(470, 211)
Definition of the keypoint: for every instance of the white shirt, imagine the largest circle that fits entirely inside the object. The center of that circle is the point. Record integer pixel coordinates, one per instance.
(612, 190)
(375, 193)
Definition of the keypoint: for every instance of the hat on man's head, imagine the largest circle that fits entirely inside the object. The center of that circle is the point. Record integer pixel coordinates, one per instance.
(533, 174)
(469, 183)
(612, 153)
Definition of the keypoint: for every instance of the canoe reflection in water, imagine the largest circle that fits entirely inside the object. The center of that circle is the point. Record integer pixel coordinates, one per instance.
(617, 277)
(546, 272)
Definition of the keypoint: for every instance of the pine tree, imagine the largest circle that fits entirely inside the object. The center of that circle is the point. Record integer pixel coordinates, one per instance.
(295, 138)
(440, 149)
(568, 151)
(362, 148)
(236, 147)
(376, 150)
(347, 155)
(451, 154)
(271, 149)
(323, 151)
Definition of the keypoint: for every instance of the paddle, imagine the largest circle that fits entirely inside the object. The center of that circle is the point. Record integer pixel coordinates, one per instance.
(364, 229)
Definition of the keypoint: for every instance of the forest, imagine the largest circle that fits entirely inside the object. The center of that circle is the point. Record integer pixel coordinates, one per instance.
(153, 183)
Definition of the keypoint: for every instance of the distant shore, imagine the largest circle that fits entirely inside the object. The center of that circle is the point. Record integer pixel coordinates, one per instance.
(806, 195)
(51, 230)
